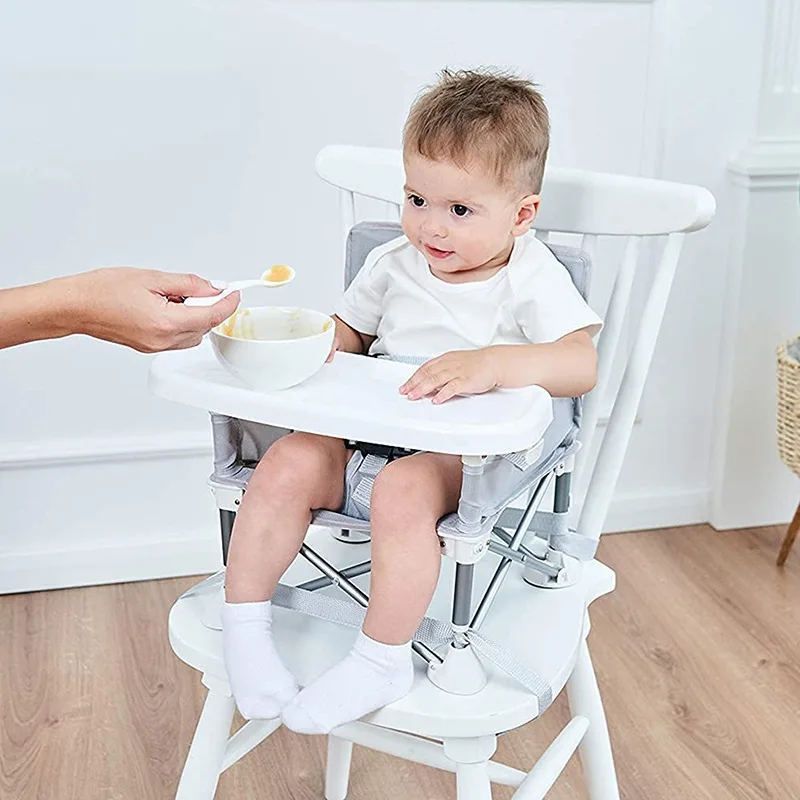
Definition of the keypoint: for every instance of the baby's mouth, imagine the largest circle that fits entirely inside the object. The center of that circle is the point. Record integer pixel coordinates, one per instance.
(437, 253)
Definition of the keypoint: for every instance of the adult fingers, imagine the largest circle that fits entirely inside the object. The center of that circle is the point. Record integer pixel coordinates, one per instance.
(204, 318)
(175, 284)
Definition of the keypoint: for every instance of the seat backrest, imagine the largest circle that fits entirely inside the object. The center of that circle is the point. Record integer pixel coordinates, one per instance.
(365, 236)
(591, 205)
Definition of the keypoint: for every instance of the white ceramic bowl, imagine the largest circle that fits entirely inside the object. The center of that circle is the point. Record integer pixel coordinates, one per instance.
(272, 348)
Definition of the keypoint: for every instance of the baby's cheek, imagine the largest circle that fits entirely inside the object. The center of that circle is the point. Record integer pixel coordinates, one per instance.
(475, 249)
(407, 224)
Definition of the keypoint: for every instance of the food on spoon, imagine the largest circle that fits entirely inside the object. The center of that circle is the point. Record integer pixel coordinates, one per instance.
(277, 274)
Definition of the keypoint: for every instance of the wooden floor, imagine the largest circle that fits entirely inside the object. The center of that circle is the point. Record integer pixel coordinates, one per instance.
(697, 655)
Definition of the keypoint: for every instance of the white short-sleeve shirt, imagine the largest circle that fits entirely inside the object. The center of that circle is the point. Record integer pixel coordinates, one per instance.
(396, 298)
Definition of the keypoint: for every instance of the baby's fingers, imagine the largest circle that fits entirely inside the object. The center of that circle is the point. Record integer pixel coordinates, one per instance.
(334, 347)
(449, 390)
(427, 378)
(423, 386)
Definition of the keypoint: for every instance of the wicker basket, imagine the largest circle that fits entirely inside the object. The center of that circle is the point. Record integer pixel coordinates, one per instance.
(789, 404)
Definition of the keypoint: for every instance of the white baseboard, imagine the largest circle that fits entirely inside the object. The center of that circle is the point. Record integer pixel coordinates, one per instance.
(114, 563)
(636, 512)
(104, 450)
(193, 555)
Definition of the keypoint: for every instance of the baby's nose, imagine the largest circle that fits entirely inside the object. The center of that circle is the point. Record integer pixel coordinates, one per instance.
(436, 228)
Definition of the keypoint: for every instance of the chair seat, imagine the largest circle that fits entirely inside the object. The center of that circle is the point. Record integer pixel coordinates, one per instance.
(542, 627)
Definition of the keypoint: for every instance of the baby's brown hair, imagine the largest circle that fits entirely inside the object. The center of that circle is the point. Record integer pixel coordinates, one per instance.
(494, 118)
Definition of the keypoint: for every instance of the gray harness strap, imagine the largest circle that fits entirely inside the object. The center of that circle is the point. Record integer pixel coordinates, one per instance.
(431, 632)
(555, 528)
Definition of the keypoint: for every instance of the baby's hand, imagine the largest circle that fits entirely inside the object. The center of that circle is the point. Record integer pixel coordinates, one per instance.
(334, 347)
(459, 372)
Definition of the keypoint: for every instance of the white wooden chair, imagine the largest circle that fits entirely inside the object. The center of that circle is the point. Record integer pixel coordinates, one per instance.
(541, 611)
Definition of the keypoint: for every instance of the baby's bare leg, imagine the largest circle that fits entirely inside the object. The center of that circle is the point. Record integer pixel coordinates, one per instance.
(409, 497)
(299, 473)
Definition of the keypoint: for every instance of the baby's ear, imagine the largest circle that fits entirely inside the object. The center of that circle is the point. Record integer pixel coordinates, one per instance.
(527, 210)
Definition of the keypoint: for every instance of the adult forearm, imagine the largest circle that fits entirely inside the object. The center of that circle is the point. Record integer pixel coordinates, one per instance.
(45, 310)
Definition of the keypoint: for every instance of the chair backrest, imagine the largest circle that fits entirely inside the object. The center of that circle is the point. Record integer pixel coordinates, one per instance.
(591, 205)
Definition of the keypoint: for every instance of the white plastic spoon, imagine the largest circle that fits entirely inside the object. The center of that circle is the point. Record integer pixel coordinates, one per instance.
(276, 276)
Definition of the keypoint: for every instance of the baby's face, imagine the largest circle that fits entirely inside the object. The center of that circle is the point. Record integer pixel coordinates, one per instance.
(462, 219)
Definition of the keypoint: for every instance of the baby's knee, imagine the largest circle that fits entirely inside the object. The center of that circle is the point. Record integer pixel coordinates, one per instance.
(400, 491)
(296, 456)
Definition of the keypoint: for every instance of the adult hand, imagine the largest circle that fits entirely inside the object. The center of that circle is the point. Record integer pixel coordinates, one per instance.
(143, 309)
(139, 308)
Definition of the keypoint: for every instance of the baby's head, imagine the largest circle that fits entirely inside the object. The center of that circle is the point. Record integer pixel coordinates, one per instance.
(474, 147)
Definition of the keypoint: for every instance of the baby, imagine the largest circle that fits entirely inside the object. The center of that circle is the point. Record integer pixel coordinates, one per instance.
(490, 307)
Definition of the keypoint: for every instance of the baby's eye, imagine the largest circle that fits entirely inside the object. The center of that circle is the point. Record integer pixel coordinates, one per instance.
(460, 211)
(416, 200)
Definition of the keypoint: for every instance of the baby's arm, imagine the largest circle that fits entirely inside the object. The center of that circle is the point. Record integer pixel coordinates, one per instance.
(566, 368)
(349, 340)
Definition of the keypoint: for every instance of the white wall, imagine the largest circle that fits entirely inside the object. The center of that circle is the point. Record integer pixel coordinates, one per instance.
(749, 483)
(182, 136)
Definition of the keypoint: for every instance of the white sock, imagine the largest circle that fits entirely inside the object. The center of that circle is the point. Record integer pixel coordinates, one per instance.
(260, 682)
(370, 677)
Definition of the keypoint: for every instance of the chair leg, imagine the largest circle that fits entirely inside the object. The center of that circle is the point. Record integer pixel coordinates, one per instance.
(204, 762)
(791, 535)
(471, 757)
(337, 776)
(595, 748)
(472, 782)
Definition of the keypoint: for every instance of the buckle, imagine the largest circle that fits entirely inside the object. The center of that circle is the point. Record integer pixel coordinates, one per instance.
(386, 451)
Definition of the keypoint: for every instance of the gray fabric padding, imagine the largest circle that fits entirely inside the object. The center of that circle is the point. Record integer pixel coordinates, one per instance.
(238, 446)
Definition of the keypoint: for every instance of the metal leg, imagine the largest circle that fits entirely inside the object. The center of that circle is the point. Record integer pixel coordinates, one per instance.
(554, 570)
(226, 520)
(349, 572)
(505, 563)
(562, 489)
(354, 593)
(462, 596)
(506, 539)
(540, 564)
